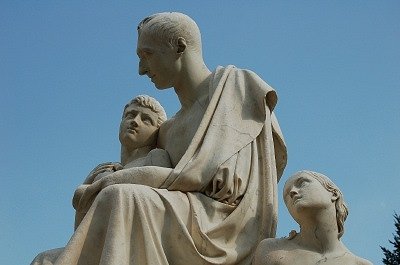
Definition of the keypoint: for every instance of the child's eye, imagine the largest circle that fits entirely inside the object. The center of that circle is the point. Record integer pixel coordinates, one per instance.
(147, 121)
(131, 115)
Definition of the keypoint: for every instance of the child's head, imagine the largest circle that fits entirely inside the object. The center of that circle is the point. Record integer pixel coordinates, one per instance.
(141, 119)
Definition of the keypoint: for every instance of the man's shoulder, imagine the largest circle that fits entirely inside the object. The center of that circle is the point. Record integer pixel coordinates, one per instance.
(166, 125)
(162, 132)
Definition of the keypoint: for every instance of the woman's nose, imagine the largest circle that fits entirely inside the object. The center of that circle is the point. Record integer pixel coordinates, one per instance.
(292, 192)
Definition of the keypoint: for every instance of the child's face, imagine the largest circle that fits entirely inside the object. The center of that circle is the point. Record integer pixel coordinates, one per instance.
(138, 127)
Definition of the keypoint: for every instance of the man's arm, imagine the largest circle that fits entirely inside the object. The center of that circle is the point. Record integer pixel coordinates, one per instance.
(149, 175)
(152, 176)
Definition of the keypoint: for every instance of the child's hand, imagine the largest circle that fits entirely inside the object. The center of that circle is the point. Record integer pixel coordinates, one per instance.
(90, 192)
(104, 167)
(78, 195)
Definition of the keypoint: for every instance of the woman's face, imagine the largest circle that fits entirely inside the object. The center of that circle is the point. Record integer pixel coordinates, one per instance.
(303, 192)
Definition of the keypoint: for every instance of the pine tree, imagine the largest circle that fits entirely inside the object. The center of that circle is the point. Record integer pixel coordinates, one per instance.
(393, 257)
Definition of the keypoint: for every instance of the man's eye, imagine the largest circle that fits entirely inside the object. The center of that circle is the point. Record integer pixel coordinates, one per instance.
(147, 53)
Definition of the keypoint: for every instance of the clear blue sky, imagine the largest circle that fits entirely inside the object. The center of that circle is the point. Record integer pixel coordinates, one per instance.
(68, 67)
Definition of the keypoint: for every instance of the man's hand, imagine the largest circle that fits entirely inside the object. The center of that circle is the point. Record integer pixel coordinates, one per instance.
(90, 192)
(148, 175)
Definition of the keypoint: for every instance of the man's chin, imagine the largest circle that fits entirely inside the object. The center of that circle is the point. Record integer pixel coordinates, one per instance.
(162, 87)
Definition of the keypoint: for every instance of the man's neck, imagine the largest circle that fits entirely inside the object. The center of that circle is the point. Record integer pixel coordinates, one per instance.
(127, 156)
(194, 80)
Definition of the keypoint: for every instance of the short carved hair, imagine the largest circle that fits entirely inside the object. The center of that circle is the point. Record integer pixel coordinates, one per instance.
(150, 103)
(169, 26)
(340, 205)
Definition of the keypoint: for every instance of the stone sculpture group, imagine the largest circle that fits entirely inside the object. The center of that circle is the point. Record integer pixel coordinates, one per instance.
(200, 187)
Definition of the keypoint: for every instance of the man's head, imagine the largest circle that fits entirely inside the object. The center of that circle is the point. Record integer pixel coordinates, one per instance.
(141, 119)
(301, 191)
(167, 42)
(168, 27)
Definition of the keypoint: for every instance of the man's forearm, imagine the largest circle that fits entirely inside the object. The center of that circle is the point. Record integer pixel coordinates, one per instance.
(148, 175)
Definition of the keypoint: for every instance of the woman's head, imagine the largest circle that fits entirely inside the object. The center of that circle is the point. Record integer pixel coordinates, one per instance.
(302, 188)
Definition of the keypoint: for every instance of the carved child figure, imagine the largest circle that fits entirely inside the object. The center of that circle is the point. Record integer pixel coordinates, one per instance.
(317, 205)
(138, 131)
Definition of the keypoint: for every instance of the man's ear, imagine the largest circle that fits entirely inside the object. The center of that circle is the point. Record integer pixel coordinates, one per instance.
(181, 45)
(335, 196)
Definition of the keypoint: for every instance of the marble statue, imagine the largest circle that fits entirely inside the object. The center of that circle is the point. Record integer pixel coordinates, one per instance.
(140, 122)
(317, 205)
(138, 131)
(219, 198)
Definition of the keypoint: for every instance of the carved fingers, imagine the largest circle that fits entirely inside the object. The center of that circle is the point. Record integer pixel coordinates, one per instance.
(89, 195)
(102, 168)
(91, 191)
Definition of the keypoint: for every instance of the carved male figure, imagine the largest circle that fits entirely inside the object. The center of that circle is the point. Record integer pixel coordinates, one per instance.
(317, 205)
(227, 153)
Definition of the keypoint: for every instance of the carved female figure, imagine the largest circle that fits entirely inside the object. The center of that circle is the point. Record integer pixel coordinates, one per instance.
(317, 205)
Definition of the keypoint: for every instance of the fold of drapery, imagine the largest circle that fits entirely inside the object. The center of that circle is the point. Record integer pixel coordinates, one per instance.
(217, 204)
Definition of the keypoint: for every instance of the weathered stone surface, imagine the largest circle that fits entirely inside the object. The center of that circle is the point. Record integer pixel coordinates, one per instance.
(317, 205)
(218, 200)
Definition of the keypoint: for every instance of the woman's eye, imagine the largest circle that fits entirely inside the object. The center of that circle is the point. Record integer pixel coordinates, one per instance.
(304, 183)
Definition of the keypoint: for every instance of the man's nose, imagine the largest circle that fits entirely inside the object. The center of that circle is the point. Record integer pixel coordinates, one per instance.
(142, 68)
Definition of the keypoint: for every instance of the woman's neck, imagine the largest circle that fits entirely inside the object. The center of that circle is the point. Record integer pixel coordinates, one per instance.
(320, 233)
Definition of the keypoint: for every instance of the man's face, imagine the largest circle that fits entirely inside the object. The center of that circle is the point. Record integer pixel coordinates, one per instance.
(158, 61)
(138, 127)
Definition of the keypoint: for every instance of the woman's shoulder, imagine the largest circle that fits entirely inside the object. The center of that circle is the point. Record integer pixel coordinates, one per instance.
(271, 251)
(361, 261)
(273, 243)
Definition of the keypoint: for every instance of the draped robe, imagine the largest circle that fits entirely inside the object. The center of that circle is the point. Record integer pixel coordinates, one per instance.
(218, 202)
